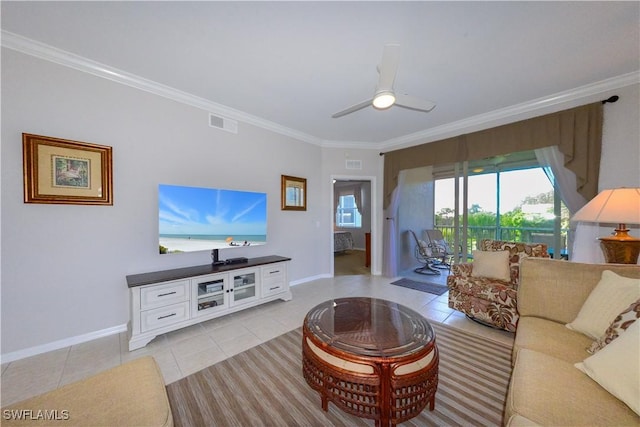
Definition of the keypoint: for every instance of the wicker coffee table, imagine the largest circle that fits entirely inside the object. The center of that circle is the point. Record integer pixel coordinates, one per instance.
(372, 358)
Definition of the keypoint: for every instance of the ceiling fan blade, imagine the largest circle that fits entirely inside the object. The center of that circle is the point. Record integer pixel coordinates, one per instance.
(388, 66)
(413, 103)
(352, 109)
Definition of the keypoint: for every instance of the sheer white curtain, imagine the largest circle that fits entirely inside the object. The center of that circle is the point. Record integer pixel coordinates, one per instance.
(389, 243)
(565, 180)
(586, 247)
(582, 237)
(357, 195)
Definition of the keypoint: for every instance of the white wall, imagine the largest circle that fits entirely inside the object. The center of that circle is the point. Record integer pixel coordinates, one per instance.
(64, 266)
(415, 213)
(620, 162)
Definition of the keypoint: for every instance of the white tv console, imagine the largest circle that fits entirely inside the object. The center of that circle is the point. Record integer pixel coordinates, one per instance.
(163, 301)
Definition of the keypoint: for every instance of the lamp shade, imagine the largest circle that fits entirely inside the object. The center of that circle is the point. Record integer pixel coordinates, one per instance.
(615, 206)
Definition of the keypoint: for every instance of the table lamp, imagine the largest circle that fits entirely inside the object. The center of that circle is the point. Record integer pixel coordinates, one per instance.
(616, 206)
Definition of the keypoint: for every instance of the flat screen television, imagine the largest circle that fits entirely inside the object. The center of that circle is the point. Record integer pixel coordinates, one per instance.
(197, 219)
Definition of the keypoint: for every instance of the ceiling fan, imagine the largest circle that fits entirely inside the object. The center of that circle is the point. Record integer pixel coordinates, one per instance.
(384, 96)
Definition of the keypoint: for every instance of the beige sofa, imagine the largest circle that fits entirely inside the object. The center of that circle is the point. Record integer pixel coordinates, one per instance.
(546, 388)
(132, 394)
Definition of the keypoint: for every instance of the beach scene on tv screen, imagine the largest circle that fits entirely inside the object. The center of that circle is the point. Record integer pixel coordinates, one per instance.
(198, 219)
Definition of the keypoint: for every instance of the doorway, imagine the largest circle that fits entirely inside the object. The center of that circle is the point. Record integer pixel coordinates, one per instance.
(352, 221)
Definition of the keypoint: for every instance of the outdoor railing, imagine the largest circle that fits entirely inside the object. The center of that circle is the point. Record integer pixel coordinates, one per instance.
(512, 234)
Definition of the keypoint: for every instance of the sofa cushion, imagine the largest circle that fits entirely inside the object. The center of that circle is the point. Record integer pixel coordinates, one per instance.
(132, 394)
(550, 391)
(611, 295)
(493, 265)
(552, 338)
(556, 290)
(620, 324)
(617, 367)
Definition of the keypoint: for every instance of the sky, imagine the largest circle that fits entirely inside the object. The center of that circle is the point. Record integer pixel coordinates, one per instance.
(515, 186)
(208, 211)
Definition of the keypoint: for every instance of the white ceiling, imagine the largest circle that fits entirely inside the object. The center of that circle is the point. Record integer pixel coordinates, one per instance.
(290, 65)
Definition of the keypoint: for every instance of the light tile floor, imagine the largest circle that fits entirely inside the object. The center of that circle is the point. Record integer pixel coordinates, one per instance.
(188, 350)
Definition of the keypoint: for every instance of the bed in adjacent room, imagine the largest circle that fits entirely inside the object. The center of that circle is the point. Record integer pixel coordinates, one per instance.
(342, 241)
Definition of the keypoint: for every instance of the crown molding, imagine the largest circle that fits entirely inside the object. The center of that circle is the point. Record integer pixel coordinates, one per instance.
(49, 53)
(350, 144)
(556, 102)
(548, 104)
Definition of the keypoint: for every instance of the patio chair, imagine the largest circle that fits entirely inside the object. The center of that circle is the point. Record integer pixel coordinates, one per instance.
(424, 254)
(486, 289)
(440, 249)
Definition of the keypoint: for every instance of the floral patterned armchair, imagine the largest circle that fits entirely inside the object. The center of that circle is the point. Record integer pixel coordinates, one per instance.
(489, 300)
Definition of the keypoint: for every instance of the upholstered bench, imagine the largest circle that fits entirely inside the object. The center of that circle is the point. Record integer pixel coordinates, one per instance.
(132, 394)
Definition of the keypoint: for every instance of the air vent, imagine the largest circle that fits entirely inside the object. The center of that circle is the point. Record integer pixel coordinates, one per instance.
(223, 123)
(353, 164)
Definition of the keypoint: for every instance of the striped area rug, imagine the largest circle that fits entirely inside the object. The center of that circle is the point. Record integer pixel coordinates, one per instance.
(263, 386)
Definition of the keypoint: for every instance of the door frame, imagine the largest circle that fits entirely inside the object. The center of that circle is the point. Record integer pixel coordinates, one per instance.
(375, 227)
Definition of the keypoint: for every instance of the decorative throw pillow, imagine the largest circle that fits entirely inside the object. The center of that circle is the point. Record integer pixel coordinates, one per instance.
(609, 298)
(616, 367)
(492, 264)
(620, 324)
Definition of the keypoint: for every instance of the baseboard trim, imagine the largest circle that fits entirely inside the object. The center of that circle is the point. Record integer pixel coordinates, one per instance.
(309, 279)
(57, 345)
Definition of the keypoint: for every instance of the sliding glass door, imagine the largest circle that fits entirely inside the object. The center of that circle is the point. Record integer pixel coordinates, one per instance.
(507, 198)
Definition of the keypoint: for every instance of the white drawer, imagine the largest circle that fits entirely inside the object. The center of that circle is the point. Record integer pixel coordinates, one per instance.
(273, 270)
(272, 285)
(273, 279)
(161, 295)
(163, 316)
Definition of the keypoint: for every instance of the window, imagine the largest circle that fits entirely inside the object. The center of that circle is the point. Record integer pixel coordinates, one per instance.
(347, 214)
(512, 201)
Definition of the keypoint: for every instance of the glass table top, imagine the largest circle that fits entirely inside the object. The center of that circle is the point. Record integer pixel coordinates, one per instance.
(369, 327)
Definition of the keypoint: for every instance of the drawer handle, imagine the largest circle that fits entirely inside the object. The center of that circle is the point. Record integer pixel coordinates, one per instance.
(168, 315)
(275, 287)
(168, 293)
(274, 272)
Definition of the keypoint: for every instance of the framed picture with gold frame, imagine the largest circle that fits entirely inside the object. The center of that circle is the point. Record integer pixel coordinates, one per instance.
(61, 171)
(294, 193)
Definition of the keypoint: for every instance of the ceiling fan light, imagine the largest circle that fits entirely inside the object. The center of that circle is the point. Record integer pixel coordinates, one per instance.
(384, 100)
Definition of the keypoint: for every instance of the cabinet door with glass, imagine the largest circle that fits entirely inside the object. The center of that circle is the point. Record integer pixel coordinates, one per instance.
(245, 288)
(210, 294)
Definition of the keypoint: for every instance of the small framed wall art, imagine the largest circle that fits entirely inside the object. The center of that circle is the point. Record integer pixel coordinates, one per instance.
(66, 172)
(294, 193)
